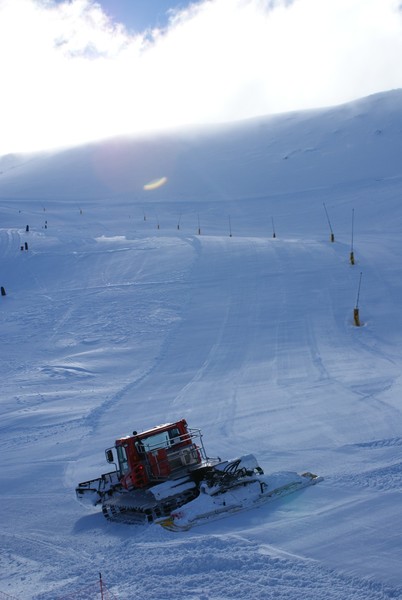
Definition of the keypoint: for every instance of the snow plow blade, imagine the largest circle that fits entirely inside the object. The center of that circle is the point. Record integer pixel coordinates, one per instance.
(207, 508)
(92, 492)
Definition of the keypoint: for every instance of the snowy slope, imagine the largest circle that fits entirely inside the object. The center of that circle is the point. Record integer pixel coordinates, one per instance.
(116, 320)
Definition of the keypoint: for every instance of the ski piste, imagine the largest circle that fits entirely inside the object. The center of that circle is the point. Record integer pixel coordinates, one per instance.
(250, 493)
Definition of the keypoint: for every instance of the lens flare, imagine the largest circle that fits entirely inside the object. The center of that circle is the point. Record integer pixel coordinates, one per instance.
(154, 185)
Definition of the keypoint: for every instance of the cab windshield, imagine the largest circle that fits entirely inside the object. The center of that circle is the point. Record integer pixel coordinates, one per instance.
(123, 461)
(164, 439)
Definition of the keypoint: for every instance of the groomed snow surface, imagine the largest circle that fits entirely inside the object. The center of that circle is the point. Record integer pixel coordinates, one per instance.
(115, 319)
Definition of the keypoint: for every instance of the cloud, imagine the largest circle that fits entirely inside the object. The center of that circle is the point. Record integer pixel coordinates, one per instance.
(69, 74)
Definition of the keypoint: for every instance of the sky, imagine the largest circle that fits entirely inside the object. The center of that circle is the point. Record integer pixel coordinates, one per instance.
(139, 15)
(80, 70)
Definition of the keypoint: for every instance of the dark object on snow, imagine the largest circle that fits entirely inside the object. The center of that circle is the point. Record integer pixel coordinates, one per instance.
(26, 245)
(3, 291)
(27, 228)
(356, 317)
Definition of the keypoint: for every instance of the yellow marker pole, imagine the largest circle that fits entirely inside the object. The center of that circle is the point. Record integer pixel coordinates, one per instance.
(356, 317)
(332, 237)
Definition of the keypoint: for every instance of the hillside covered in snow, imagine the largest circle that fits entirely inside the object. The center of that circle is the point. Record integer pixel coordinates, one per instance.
(143, 285)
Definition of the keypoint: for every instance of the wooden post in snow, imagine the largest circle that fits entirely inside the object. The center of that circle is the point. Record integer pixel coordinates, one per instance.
(332, 237)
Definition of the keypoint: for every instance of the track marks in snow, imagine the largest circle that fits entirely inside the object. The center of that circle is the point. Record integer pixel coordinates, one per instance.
(10, 242)
(387, 443)
(234, 569)
(381, 478)
(231, 349)
(32, 562)
(66, 372)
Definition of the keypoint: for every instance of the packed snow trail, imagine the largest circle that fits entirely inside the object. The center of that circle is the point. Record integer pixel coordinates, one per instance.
(229, 328)
(110, 325)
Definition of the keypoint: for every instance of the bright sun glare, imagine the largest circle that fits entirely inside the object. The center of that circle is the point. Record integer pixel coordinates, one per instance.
(71, 75)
